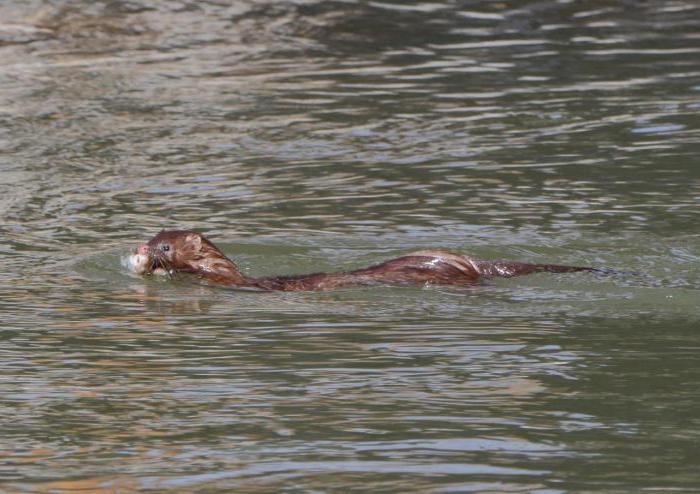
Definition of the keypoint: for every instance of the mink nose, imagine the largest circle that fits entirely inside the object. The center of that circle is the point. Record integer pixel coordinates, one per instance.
(142, 249)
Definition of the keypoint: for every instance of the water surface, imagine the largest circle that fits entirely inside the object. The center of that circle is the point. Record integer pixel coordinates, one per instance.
(305, 136)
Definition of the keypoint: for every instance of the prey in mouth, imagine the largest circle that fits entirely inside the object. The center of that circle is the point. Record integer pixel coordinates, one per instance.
(148, 261)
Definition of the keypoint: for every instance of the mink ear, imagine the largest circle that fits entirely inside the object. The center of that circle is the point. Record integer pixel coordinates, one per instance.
(195, 240)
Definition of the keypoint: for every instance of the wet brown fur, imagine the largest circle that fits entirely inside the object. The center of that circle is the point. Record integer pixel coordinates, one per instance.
(184, 251)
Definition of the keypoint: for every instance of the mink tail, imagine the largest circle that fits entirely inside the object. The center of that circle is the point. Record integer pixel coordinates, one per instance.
(508, 269)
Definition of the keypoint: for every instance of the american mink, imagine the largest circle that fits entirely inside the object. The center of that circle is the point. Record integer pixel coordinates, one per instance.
(184, 251)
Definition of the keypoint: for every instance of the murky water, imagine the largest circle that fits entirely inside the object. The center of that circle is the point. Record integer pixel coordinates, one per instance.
(307, 135)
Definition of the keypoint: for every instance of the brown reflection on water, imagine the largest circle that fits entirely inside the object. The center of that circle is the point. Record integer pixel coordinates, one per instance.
(97, 485)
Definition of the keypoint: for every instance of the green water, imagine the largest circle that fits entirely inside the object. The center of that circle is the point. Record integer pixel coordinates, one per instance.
(307, 136)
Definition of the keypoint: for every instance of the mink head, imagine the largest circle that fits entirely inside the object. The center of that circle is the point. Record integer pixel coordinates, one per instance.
(186, 251)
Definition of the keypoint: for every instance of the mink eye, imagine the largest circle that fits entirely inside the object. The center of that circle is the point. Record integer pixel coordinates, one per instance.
(165, 247)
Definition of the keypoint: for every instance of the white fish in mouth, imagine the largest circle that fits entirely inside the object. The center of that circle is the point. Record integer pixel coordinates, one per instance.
(139, 263)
